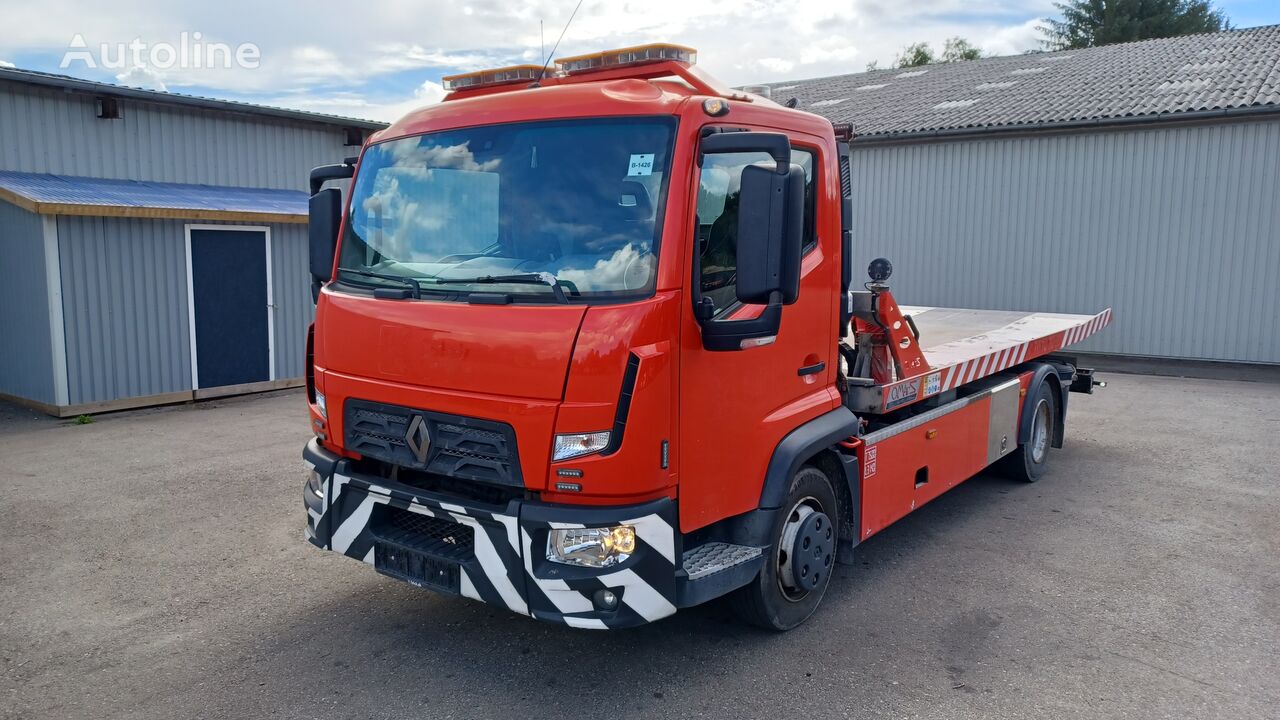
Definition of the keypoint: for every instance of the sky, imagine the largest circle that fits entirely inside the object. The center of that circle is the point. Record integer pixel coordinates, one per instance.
(381, 58)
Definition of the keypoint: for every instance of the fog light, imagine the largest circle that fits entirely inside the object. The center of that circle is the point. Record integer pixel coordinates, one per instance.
(591, 547)
(606, 599)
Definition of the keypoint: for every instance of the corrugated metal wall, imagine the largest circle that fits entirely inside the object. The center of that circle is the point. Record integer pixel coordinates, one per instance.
(125, 305)
(291, 284)
(1178, 229)
(48, 131)
(26, 355)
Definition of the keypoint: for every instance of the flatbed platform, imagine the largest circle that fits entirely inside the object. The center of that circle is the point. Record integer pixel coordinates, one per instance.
(963, 345)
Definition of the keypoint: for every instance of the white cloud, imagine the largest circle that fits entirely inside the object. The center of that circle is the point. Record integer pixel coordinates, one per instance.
(389, 57)
(6, 64)
(140, 76)
(1014, 39)
(351, 104)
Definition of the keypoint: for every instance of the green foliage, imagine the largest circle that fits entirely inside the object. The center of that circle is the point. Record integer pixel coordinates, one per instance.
(83, 419)
(915, 55)
(957, 49)
(873, 65)
(1089, 23)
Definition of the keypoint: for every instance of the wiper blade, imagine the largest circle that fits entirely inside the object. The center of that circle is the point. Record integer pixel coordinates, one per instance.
(415, 289)
(540, 278)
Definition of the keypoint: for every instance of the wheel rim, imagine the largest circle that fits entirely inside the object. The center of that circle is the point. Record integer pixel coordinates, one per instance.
(1040, 432)
(806, 550)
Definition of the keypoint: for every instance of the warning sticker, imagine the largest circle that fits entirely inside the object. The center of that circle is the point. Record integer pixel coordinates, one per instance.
(933, 383)
(869, 462)
(640, 165)
(902, 394)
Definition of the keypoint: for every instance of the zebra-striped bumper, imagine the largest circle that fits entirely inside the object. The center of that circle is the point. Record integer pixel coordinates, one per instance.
(490, 553)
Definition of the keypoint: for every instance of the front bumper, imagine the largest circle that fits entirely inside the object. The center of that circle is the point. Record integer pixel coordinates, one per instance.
(495, 554)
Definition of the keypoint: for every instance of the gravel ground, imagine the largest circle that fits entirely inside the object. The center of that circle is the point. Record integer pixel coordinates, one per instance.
(154, 567)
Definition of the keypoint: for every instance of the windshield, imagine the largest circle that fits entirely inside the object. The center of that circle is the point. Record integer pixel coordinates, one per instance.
(552, 211)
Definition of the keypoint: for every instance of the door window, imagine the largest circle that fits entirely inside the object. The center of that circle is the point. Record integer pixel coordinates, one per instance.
(718, 220)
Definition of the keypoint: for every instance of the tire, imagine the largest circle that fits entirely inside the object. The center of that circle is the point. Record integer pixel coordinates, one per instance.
(1029, 461)
(793, 581)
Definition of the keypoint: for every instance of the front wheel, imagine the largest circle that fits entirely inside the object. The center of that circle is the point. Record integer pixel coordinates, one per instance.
(800, 560)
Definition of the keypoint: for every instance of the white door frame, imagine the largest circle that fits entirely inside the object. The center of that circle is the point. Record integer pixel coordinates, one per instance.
(191, 296)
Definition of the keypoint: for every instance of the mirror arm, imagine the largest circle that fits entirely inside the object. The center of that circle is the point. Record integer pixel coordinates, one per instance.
(777, 145)
(723, 335)
(324, 173)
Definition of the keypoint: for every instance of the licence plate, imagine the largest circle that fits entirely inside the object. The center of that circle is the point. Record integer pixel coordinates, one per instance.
(415, 568)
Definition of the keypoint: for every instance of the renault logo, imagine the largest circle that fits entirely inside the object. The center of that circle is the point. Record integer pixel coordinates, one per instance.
(418, 439)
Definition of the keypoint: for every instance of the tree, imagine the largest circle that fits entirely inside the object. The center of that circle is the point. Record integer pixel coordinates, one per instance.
(915, 55)
(957, 49)
(1089, 23)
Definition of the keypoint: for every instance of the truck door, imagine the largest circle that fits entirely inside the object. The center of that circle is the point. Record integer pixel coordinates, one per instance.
(735, 406)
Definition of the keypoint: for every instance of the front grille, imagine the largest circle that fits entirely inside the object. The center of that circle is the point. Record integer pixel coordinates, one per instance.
(441, 538)
(455, 446)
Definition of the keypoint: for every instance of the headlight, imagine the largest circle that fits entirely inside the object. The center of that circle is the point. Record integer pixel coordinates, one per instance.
(320, 403)
(591, 547)
(577, 445)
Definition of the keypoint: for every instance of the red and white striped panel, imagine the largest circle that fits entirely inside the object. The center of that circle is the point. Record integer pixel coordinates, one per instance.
(1020, 351)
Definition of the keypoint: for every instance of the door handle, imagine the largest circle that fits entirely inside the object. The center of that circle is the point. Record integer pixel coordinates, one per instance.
(812, 369)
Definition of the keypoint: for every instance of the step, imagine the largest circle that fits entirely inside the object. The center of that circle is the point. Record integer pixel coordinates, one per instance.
(714, 557)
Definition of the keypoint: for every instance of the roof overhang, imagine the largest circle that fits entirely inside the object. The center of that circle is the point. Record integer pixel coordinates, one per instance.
(47, 194)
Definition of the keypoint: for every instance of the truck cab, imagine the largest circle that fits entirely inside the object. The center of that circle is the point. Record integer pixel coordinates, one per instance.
(578, 346)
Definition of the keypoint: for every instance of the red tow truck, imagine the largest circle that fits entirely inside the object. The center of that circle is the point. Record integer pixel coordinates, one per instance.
(589, 346)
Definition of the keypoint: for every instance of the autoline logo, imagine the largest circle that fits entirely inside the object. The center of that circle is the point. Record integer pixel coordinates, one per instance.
(190, 52)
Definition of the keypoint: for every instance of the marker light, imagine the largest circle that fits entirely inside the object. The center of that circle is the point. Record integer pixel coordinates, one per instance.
(591, 547)
(624, 57)
(321, 405)
(579, 444)
(497, 76)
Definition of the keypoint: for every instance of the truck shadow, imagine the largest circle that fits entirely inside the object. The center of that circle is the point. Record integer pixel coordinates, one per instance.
(378, 640)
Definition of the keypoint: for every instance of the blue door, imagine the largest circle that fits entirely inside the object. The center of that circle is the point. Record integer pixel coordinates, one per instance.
(229, 299)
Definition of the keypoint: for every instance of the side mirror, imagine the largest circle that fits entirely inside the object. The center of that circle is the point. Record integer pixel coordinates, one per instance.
(324, 216)
(770, 234)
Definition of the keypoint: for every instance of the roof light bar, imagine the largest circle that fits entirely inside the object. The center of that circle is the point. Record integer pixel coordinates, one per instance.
(625, 57)
(496, 76)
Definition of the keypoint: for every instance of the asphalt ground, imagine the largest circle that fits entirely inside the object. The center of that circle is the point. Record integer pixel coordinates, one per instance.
(153, 566)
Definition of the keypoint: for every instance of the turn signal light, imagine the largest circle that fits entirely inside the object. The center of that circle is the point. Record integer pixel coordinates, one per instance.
(497, 76)
(625, 57)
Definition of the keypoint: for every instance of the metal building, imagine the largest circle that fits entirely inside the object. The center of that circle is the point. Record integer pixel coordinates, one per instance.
(1145, 176)
(154, 245)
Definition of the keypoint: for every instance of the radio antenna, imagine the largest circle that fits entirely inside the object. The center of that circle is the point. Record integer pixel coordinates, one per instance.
(545, 65)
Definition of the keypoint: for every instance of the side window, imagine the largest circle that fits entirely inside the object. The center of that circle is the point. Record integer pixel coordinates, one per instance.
(718, 220)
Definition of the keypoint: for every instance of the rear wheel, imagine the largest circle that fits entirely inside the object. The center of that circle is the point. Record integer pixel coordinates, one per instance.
(1029, 460)
(800, 560)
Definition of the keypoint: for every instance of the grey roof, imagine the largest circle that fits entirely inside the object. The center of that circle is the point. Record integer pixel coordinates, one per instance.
(66, 82)
(35, 191)
(1226, 71)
